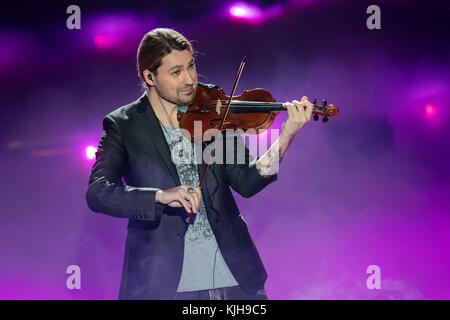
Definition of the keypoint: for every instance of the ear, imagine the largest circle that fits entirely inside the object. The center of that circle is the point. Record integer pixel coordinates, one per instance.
(149, 77)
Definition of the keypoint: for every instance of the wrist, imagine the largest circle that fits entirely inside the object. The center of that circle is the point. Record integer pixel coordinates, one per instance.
(284, 133)
(286, 138)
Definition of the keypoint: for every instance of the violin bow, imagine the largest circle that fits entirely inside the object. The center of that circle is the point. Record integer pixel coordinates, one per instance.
(205, 170)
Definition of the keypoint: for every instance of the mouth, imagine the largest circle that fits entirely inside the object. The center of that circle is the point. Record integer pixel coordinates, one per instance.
(188, 91)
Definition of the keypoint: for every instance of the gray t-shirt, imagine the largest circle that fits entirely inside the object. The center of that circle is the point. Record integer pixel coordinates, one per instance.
(203, 265)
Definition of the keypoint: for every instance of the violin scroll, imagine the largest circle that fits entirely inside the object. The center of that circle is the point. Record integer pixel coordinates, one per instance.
(324, 110)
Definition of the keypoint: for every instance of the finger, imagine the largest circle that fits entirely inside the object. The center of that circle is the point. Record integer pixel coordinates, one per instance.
(309, 111)
(184, 202)
(292, 111)
(297, 113)
(195, 196)
(299, 110)
(198, 195)
(298, 105)
(187, 196)
(192, 198)
(186, 190)
(309, 107)
(289, 110)
(305, 112)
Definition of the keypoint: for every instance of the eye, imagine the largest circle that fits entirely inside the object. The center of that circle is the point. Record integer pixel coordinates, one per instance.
(192, 65)
(176, 73)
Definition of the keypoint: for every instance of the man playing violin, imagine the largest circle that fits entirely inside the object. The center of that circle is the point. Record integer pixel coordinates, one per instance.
(166, 258)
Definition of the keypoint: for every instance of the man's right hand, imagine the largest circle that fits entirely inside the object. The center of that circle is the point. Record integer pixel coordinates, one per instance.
(180, 197)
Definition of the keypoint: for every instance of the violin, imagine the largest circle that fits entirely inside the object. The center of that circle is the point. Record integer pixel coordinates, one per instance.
(254, 109)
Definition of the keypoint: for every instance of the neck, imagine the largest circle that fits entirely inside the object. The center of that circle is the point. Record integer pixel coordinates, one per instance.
(165, 111)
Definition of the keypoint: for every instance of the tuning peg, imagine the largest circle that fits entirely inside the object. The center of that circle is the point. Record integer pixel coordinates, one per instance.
(315, 100)
(325, 119)
(316, 117)
(324, 103)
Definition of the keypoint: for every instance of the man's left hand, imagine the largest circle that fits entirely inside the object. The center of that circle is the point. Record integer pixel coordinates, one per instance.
(299, 114)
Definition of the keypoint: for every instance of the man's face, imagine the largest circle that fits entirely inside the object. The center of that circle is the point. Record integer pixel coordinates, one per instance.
(176, 81)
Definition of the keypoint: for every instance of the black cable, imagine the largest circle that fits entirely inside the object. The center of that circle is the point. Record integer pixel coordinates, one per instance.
(214, 267)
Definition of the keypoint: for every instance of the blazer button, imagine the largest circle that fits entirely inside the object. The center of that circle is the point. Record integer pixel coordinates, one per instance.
(179, 236)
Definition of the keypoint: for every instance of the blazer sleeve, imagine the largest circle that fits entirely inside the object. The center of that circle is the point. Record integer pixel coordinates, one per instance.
(106, 192)
(242, 174)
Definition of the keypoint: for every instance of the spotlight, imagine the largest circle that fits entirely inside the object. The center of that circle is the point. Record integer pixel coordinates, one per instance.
(429, 110)
(90, 152)
(245, 11)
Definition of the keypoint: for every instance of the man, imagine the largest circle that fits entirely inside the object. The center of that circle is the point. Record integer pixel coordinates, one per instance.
(165, 257)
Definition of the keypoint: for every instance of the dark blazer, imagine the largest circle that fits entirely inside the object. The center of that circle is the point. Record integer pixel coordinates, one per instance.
(133, 147)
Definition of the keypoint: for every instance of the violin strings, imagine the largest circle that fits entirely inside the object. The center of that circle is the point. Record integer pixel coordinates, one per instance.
(213, 104)
(237, 102)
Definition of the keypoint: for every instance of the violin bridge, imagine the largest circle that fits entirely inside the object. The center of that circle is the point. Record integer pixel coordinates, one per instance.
(218, 106)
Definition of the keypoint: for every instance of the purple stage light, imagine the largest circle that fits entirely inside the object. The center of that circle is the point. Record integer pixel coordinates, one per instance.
(253, 14)
(245, 11)
(114, 32)
(90, 152)
(101, 42)
(430, 110)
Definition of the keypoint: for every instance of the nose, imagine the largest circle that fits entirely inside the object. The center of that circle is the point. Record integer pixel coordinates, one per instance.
(188, 78)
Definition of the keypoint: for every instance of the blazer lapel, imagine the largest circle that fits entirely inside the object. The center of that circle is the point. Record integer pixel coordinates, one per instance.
(148, 119)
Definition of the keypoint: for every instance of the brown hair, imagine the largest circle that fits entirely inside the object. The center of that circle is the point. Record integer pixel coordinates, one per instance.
(154, 46)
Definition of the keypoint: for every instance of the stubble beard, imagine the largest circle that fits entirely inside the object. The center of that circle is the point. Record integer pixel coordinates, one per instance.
(178, 98)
